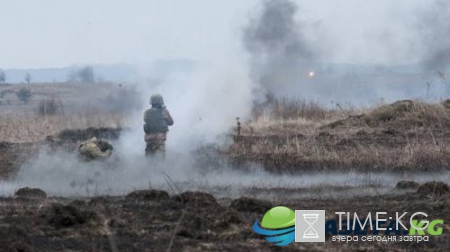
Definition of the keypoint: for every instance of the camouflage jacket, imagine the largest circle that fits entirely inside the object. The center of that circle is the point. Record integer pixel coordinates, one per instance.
(158, 136)
(95, 149)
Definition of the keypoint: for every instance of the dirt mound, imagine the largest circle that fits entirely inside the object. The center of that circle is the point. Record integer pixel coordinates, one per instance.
(196, 198)
(407, 184)
(405, 114)
(389, 112)
(245, 204)
(148, 195)
(61, 216)
(76, 135)
(433, 189)
(30, 193)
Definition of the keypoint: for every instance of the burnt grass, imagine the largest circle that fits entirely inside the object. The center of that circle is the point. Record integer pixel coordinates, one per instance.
(191, 221)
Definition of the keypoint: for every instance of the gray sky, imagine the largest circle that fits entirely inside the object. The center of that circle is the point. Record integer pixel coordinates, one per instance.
(54, 33)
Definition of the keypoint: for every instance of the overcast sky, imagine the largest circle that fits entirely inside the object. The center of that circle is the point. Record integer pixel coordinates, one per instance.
(54, 33)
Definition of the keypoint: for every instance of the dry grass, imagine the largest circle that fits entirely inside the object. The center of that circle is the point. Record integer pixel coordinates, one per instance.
(28, 127)
(290, 108)
(399, 136)
(54, 107)
(285, 116)
(50, 107)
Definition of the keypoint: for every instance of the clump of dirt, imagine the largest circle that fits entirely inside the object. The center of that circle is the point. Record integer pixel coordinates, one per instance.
(196, 198)
(407, 184)
(148, 195)
(433, 189)
(30, 193)
(63, 216)
(245, 204)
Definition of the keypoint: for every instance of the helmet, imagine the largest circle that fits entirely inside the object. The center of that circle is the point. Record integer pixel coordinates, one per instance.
(156, 100)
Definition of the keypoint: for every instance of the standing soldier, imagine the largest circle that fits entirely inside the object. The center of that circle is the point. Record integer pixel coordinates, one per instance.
(157, 121)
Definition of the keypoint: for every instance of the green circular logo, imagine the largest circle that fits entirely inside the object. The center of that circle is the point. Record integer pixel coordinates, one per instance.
(278, 217)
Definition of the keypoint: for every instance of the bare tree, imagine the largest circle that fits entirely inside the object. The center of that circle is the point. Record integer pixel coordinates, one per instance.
(2, 77)
(28, 78)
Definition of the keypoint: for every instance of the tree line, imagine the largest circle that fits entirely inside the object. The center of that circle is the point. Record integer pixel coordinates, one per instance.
(81, 75)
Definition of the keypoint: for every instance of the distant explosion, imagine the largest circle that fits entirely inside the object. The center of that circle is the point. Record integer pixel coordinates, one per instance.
(278, 48)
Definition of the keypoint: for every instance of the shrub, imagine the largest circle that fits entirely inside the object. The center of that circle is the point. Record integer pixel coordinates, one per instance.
(24, 94)
(49, 107)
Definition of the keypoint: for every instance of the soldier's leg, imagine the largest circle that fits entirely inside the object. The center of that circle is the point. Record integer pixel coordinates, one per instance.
(149, 149)
(162, 149)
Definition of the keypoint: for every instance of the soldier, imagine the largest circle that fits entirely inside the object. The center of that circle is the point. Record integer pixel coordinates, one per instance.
(157, 121)
(94, 149)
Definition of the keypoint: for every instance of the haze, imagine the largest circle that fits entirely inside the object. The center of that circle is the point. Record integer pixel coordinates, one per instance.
(46, 33)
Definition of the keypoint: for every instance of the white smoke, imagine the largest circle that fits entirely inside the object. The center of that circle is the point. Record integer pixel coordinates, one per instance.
(204, 104)
(62, 174)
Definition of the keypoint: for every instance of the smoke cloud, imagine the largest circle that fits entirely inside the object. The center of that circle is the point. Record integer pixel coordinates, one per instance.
(280, 53)
(205, 101)
(434, 28)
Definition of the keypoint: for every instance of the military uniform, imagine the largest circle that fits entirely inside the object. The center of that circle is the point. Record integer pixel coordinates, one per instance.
(94, 149)
(157, 121)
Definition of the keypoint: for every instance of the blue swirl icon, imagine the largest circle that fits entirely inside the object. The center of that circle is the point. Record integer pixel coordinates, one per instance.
(279, 237)
(277, 225)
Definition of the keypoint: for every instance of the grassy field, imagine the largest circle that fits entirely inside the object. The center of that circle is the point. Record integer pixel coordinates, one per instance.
(56, 107)
(403, 136)
(286, 136)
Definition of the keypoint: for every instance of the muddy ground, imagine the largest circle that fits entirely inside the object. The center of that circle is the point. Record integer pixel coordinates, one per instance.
(192, 221)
